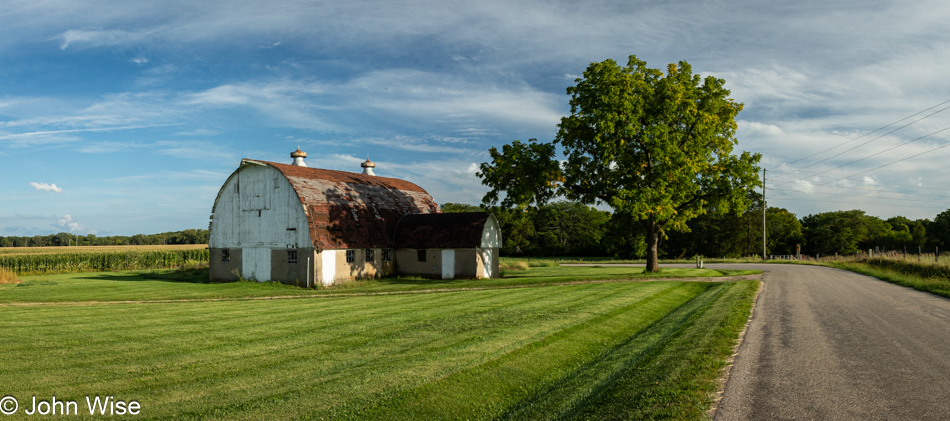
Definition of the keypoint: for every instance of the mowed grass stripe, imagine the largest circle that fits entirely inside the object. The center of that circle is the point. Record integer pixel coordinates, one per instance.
(266, 355)
(487, 390)
(677, 380)
(422, 363)
(583, 393)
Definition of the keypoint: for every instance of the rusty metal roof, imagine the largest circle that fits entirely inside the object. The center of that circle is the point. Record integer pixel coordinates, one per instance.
(349, 210)
(442, 230)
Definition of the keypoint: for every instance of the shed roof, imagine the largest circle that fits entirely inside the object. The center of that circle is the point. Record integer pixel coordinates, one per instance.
(349, 210)
(441, 230)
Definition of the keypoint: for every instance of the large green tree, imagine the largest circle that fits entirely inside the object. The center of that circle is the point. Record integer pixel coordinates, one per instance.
(784, 231)
(844, 232)
(939, 232)
(655, 147)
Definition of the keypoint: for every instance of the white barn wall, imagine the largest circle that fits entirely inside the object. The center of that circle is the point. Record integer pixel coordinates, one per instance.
(491, 233)
(257, 210)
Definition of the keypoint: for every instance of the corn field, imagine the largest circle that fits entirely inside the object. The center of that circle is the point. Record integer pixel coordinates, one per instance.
(106, 261)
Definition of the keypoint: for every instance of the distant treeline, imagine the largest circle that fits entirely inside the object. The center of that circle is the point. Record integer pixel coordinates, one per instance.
(189, 236)
(573, 229)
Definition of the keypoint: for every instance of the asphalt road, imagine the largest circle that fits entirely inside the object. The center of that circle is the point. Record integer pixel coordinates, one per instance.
(827, 344)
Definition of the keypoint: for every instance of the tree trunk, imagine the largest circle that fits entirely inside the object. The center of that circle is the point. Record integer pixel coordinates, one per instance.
(653, 237)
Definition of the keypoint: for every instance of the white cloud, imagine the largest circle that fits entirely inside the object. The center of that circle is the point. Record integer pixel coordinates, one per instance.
(46, 187)
(409, 143)
(98, 147)
(803, 186)
(139, 60)
(67, 221)
(199, 132)
(98, 38)
(221, 95)
(182, 151)
(429, 95)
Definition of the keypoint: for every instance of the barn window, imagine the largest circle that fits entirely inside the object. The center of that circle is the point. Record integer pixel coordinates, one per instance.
(225, 256)
(421, 255)
(291, 256)
(387, 255)
(370, 255)
(350, 256)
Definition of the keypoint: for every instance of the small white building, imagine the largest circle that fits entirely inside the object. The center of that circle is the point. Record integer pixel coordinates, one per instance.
(301, 225)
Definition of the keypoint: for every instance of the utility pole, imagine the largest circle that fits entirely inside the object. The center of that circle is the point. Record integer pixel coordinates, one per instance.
(764, 209)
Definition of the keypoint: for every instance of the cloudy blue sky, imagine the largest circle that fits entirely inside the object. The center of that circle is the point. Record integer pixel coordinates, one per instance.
(122, 117)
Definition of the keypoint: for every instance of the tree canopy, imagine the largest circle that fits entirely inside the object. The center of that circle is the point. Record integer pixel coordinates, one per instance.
(655, 147)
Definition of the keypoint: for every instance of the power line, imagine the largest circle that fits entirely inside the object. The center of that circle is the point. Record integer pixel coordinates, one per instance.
(868, 133)
(865, 143)
(878, 191)
(872, 155)
(889, 184)
(862, 204)
(867, 197)
(914, 187)
(885, 165)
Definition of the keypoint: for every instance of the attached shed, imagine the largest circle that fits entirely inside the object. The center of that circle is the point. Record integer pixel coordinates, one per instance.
(448, 245)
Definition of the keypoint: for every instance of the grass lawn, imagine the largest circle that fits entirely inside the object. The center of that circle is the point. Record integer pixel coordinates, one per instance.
(170, 285)
(603, 350)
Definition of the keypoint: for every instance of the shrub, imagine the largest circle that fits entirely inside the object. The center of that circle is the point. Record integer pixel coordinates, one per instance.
(543, 264)
(516, 265)
(8, 277)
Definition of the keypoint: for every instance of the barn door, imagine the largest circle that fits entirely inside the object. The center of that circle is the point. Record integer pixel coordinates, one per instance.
(255, 188)
(256, 264)
(448, 264)
(328, 262)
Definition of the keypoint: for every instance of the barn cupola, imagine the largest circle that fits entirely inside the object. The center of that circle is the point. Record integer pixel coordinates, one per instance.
(298, 156)
(368, 167)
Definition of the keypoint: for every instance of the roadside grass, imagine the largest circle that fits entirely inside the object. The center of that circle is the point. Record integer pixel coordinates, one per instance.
(192, 283)
(555, 261)
(930, 277)
(615, 350)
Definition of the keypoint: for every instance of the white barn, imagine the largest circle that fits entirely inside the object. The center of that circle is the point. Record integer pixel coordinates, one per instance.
(301, 225)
